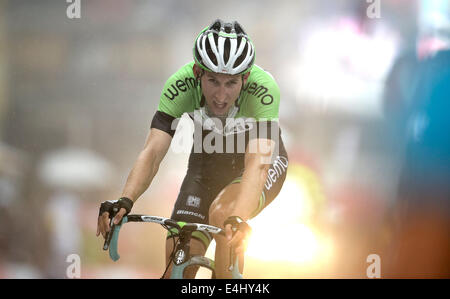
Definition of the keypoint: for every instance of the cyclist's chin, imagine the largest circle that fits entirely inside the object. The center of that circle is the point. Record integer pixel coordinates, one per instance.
(219, 112)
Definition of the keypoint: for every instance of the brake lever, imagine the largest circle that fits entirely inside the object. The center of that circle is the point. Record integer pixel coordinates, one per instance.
(109, 235)
(232, 254)
(111, 231)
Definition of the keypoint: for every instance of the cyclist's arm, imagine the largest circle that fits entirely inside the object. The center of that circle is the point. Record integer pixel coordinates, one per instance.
(147, 164)
(171, 107)
(140, 177)
(263, 107)
(257, 162)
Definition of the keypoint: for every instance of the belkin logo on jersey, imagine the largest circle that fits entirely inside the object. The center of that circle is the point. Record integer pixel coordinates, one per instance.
(232, 126)
(210, 133)
(230, 135)
(237, 127)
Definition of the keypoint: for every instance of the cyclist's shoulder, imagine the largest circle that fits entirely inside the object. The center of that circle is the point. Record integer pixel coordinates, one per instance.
(262, 86)
(180, 92)
(183, 79)
(261, 95)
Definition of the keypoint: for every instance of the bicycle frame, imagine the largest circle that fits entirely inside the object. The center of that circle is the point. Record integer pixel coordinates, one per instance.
(182, 258)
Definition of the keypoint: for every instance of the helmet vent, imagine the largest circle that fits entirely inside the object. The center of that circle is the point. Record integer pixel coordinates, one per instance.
(224, 48)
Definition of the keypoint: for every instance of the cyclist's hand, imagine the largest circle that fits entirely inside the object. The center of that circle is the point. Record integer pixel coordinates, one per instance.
(103, 224)
(119, 216)
(109, 209)
(239, 240)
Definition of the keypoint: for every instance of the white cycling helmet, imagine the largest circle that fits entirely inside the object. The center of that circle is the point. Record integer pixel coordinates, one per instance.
(224, 48)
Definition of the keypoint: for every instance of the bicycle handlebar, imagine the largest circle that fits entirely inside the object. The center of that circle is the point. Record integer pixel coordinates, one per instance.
(112, 237)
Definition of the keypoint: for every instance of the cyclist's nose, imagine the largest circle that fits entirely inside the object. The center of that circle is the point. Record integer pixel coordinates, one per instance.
(221, 95)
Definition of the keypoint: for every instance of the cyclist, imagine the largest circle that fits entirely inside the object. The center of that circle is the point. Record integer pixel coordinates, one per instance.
(233, 102)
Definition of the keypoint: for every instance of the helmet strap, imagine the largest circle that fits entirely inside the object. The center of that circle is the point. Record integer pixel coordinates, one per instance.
(199, 82)
(236, 103)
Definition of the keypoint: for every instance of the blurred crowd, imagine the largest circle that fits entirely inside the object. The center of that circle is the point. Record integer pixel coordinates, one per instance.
(365, 89)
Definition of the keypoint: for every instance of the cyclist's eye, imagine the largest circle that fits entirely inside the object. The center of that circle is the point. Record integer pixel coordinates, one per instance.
(212, 81)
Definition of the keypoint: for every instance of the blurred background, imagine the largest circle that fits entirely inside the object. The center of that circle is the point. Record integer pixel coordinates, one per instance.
(364, 105)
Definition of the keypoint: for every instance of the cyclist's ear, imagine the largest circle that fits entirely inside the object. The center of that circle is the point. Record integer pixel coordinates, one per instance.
(197, 71)
(245, 78)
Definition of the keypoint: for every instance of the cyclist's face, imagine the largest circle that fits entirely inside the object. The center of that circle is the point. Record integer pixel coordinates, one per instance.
(221, 91)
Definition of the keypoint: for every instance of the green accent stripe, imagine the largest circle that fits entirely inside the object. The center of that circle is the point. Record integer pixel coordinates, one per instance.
(262, 202)
(262, 198)
(236, 180)
(203, 237)
(230, 35)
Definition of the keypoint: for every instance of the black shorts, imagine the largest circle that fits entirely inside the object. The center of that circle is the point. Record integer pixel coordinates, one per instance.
(198, 192)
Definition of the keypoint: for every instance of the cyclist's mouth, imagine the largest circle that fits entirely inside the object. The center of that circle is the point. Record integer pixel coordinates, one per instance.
(220, 106)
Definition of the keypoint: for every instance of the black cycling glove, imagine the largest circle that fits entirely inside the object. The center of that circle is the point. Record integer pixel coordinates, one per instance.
(114, 206)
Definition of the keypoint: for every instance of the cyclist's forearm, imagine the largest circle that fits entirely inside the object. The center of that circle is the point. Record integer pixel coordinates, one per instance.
(257, 163)
(252, 184)
(142, 174)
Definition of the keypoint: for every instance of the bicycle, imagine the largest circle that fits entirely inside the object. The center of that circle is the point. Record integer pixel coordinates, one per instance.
(180, 256)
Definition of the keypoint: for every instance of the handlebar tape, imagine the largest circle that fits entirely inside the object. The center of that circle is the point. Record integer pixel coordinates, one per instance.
(113, 251)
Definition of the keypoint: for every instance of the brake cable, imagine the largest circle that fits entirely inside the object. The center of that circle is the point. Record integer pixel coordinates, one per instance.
(173, 250)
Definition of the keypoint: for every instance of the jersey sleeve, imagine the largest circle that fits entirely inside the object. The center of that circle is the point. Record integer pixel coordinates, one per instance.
(263, 96)
(164, 122)
(179, 93)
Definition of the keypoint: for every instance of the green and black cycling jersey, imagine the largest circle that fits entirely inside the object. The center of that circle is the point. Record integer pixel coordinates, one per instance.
(260, 98)
(210, 169)
(254, 114)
